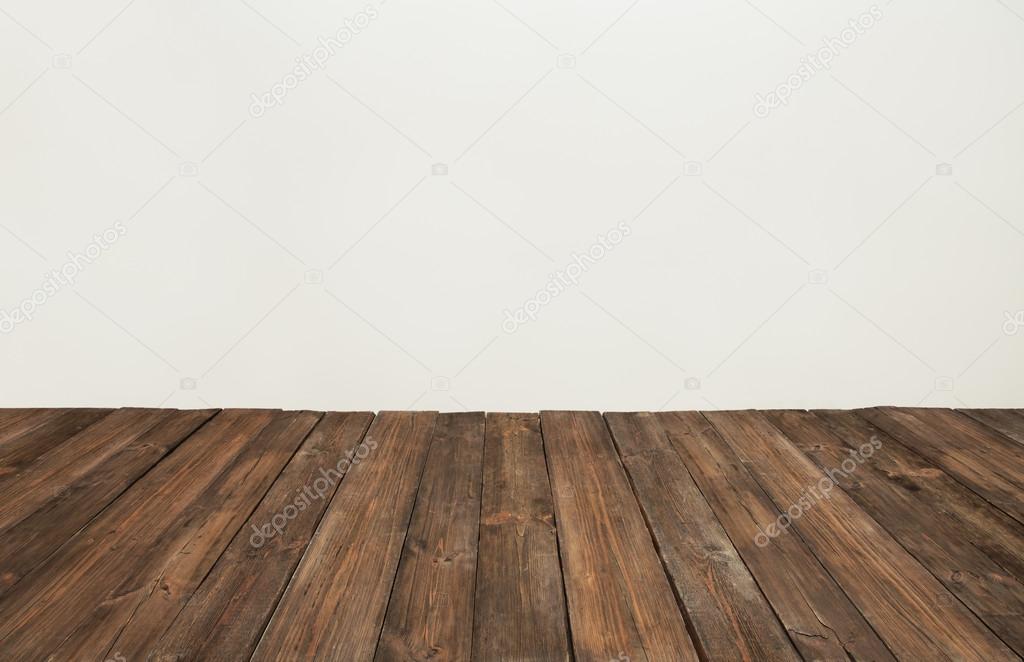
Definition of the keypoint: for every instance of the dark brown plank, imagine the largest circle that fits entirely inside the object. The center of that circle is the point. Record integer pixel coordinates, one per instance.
(226, 615)
(35, 435)
(30, 541)
(44, 479)
(96, 581)
(730, 617)
(339, 592)
(986, 462)
(819, 617)
(11, 419)
(430, 613)
(1009, 422)
(892, 589)
(621, 604)
(984, 526)
(520, 601)
(886, 487)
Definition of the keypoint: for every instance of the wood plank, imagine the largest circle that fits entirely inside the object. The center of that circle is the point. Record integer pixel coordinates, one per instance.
(887, 486)
(50, 474)
(223, 510)
(897, 595)
(621, 604)
(35, 435)
(992, 531)
(430, 613)
(33, 539)
(730, 617)
(819, 618)
(112, 564)
(10, 419)
(986, 462)
(226, 615)
(1009, 422)
(339, 592)
(520, 600)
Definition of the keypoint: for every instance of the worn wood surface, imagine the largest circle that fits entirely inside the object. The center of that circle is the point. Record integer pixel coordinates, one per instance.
(140, 534)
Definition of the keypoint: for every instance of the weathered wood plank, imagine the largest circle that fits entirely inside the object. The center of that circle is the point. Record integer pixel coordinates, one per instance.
(33, 539)
(1010, 422)
(100, 576)
(520, 600)
(224, 618)
(986, 462)
(893, 590)
(339, 592)
(430, 613)
(619, 598)
(819, 618)
(68, 462)
(730, 617)
(888, 487)
(39, 432)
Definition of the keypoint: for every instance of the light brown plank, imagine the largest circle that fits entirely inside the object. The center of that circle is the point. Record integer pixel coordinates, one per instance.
(621, 604)
(96, 580)
(520, 600)
(730, 617)
(226, 615)
(887, 486)
(33, 539)
(1009, 422)
(819, 618)
(892, 589)
(430, 613)
(984, 461)
(339, 592)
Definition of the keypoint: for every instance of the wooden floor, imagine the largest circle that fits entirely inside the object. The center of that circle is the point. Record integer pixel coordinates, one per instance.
(876, 534)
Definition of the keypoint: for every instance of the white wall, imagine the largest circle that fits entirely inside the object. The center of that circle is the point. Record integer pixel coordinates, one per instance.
(818, 259)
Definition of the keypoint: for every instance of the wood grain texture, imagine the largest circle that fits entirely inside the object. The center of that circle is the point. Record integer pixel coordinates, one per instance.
(430, 613)
(39, 432)
(66, 463)
(99, 577)
(520, 600)
(339, 592)
(620, 602)
(897, 595)
(984, 461)
(732, 620)
(225, 617)
(818, 616)
(1009, 422)
(884, 488)
(30, 541)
